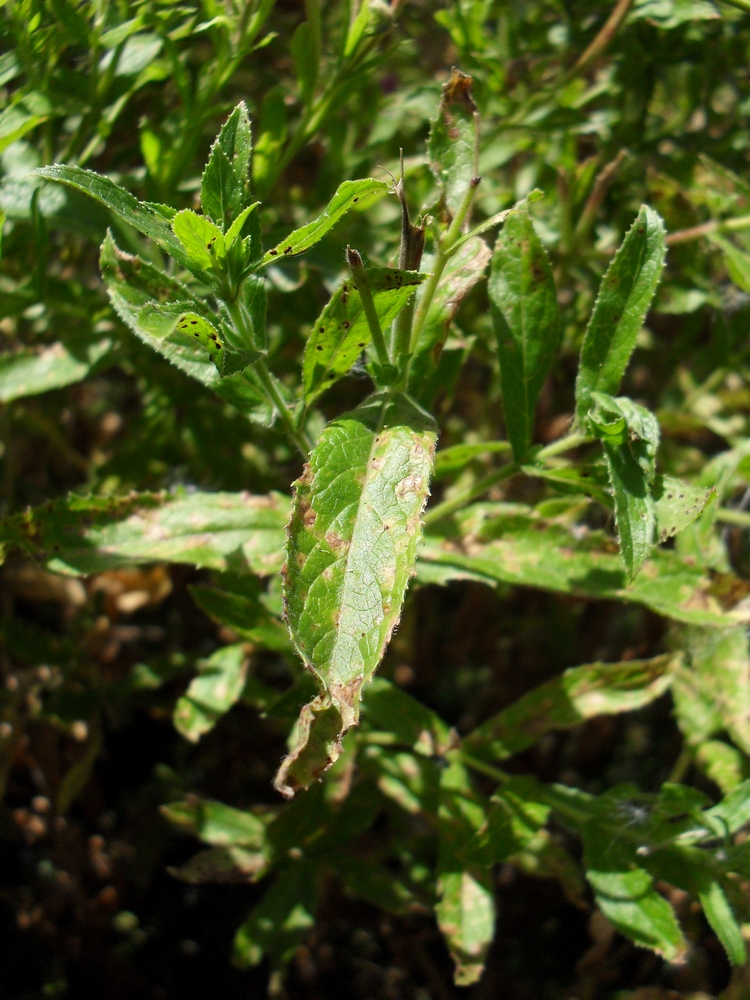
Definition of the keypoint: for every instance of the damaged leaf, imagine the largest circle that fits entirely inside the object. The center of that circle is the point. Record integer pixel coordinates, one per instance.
(352, 546)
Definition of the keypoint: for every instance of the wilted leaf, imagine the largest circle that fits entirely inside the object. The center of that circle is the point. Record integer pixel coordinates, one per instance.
(454, 140)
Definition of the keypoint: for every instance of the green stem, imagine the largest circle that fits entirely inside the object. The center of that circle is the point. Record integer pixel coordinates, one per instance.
(560, 446)
(272, 390)
(273, 393)
(363, 287)
(466, 496)
(728, 516)
(442, 255)
(501, 777)
(739, 4)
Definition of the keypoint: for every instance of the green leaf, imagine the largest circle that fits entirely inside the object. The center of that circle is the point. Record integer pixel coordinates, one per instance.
(146, 218)
(389, 709)
(627, 897)
(83, 535)
(29, 372)
(624, 296)
(712, 689)
(212, 693)
(21, 117)
(217, 824)
(152, 304)
(737, 262)
(494, 543)
(357, 28)
(341, 332)
(448, 461)
(305, 58)
(349, 194)
(352, 545)
(465, 908)
(720, 916)
(454, 140)
(672, 13)
(677, 504)
(245, 615)
(579, 693)
(630, 438)
(725, 765)
(513, 823)
(226, 865)
(527, 325)
(201, 239)
(283, 918)
(225, 185)
(634, 507)
(464, 269)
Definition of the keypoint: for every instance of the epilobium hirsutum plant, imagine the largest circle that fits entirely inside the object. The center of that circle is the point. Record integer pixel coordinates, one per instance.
(354, 540)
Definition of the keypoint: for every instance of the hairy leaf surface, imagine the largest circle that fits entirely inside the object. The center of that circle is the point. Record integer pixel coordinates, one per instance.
(349, 195)
(225, 185)
(353, 543)
(624, 296)
(163, 314)
(151, 220)
(342, 332)
(527, 325)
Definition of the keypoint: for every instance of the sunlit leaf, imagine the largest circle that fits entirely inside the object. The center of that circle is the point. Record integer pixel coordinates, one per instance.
(454, 140)
(624, 296)
(353, 542)
(83, 535)
(216, 688)
(342, 332)
(579, 693)
(350, 194)
(527, 326)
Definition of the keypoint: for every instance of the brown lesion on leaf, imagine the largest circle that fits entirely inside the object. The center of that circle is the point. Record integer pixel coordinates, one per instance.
(457, 91)
(337, 544)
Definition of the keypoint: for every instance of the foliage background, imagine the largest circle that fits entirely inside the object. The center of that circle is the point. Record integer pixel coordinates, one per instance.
(92, 669)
